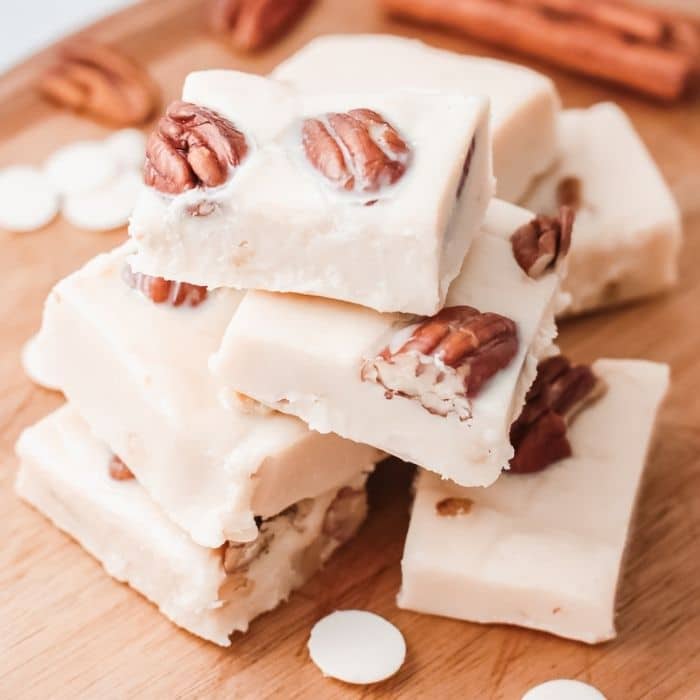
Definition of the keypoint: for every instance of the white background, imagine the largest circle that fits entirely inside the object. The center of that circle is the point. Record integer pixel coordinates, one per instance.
(29, 25)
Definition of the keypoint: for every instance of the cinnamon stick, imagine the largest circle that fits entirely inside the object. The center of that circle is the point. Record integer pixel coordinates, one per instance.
(660, 71)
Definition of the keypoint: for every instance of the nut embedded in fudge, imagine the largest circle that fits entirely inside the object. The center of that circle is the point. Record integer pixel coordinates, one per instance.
(446, 359)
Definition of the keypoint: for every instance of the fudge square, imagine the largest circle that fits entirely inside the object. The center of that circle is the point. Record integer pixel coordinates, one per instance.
(524, 104)
(209, 592)
(627, 234)
(133, 361)
(367, 197)
(440, 392)
(541, 550)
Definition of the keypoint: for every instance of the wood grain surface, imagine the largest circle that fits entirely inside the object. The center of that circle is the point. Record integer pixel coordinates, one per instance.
(68, 631)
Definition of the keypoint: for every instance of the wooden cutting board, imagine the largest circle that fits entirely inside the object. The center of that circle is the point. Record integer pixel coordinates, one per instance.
(68, 631)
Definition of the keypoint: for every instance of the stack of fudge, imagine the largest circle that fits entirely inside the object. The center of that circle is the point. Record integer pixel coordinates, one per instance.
(318, 275)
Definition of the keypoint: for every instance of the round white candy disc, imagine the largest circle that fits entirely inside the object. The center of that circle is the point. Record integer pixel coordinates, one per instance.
(128, 146)
(81, 166)
(106, 208)
(33, 364)
(27, 199)
(563, 689)
(356, 646)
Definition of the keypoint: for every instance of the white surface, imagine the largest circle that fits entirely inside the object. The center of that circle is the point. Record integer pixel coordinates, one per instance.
(64, 473)
(541, 550)
(30, 26)
(279, 225)
(627, 232)
(356, 646)
(128, 146)
(137, 372)
(28, 200)
(563, 689)
(304, 356)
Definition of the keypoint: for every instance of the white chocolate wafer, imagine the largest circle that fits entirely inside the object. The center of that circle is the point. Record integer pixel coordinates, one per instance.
(81, 166)
(28, 200)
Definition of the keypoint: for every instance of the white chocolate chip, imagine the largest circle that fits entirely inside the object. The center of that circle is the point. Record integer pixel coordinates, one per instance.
(106, 208)
(356, 646)
(28, 201)
(34, 367)
(563, 689)
(81, 166)
(128, 146)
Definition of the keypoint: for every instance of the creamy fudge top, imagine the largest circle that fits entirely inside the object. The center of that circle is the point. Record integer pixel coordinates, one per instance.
(346, 174)
(137, 371)
(606, 172)
(523, 103)
(307, 357)
(544, 549)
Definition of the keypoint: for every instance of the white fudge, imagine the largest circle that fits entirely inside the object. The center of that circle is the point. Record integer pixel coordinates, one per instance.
(279, 223)
(137, 372)
(63, 473)
(627, 233)
(540, 550)
(524, 104)
(308, 357)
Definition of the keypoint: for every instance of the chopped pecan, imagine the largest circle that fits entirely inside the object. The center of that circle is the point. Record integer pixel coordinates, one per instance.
(100, 81)
(454, 506)
(569, 192)
(238, 556)
(252, 24)
(356, 150)
(558, 393)
(161, 291)
(446, 360)
(118, 470)
(542, 242)
(192, 147)
(345, 514)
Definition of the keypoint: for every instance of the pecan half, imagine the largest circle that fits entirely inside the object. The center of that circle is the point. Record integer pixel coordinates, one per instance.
(252, 24)
(356, 151)
(544, 241)
(99, 81)
(345, 514)
(446, 360)
(569, 192)
(118, 470)
(162, 291)
(454, 506)
(557, 395)
(192, 147)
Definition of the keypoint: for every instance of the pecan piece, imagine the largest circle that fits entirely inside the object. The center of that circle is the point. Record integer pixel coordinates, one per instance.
(542, 242)
(162, 291)
(345, 514)
(446, 360)
(356, 151)
(252, 24)
(454, 506)
(558, 393)
(238, 556)
(192, 147)
(118, 470)
(97, 80)
(569, 192)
